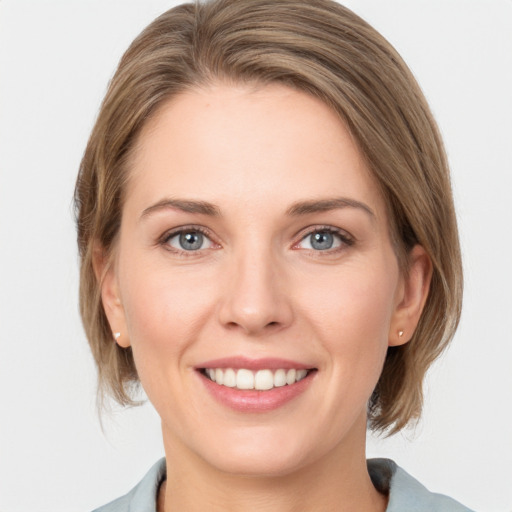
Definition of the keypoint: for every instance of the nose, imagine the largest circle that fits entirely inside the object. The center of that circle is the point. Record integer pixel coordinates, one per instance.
(255, 299)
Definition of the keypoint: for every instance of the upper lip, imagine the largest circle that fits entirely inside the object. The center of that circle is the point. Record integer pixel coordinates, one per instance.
(267, 363)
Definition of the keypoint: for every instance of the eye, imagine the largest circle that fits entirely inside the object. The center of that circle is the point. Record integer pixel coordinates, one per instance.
(325, 239)
(188, 240)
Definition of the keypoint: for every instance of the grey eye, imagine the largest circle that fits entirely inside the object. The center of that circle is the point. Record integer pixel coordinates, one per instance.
(321, 241)
(189, 241)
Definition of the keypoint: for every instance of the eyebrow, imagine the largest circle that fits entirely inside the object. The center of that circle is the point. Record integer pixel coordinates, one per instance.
(324, 205)
(185, 205)
(296, 209)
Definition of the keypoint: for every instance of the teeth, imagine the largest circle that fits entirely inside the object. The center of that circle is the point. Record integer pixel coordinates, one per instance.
(229, 378)
(279, 378)
(261, 380)
(300, 374)
(290, 376)
(244, 379)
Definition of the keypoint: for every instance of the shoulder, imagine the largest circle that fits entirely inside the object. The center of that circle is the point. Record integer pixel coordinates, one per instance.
(142, 498)
(406, 494)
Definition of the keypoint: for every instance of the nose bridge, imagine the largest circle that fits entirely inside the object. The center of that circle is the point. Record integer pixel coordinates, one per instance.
(254, 298)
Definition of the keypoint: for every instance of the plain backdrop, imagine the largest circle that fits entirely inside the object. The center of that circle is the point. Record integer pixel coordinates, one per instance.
(56, 58)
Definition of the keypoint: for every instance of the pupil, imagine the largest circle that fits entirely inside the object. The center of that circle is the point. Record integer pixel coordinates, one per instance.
(191, 241)
(322, 241)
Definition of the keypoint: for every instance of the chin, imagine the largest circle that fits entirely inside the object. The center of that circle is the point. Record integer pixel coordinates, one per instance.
(259, 453)
(259, 465)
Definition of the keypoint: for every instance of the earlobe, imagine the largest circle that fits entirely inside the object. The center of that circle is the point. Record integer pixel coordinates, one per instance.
(413, 296)
(105, 271)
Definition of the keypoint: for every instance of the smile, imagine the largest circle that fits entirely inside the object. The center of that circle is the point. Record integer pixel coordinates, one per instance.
(260, 380)
(261, 385)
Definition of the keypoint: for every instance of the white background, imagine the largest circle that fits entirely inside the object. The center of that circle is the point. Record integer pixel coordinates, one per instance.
(56, 58)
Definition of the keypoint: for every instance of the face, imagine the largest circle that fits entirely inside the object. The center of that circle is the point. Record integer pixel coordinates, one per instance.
(254, 252)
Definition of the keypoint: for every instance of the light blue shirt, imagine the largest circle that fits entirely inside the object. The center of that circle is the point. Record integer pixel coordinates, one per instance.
(405, 493)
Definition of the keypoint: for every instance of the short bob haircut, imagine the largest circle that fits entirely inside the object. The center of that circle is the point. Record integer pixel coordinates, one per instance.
(318, 47)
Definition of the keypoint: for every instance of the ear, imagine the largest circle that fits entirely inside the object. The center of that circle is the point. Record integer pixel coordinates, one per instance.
(411, 298)
(105, 270)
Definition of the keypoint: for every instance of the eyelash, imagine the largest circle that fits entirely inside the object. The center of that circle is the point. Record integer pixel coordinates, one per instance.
(345, 239)
(164, 240)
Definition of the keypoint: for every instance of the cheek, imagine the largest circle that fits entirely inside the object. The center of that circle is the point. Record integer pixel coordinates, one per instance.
(351, 315)
(164, 313)
(356, 301)
(159, 306)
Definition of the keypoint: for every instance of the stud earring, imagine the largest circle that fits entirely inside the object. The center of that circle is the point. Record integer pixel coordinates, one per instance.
(400, 334)
(117, 335)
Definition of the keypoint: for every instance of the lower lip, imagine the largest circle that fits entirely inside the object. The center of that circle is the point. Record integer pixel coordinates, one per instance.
(253, 400)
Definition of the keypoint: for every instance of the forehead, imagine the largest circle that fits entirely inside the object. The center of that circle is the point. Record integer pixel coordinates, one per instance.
(269, 144)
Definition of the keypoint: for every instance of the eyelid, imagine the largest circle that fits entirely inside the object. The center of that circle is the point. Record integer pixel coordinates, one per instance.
(346, 238)
(171, 233)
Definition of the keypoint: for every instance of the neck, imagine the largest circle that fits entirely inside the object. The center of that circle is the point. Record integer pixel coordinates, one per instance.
(338, 482)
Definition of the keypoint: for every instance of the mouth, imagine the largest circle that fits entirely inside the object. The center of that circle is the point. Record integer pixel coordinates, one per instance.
(260, 380)
(261, 385)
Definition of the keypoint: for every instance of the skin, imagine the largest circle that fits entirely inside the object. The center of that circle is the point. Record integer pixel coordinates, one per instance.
(257, 288)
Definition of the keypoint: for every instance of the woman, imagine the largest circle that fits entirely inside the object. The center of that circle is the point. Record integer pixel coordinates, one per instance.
(269, 247)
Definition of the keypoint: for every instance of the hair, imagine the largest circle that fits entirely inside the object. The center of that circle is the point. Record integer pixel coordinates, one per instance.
(325, 50)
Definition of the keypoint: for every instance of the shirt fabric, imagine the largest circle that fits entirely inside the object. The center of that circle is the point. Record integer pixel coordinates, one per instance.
(405, 493)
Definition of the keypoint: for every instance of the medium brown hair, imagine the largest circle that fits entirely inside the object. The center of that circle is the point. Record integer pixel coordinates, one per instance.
(324, 49)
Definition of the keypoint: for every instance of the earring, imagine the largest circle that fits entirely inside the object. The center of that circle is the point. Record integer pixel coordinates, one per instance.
(117, 335)
(400, 333)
